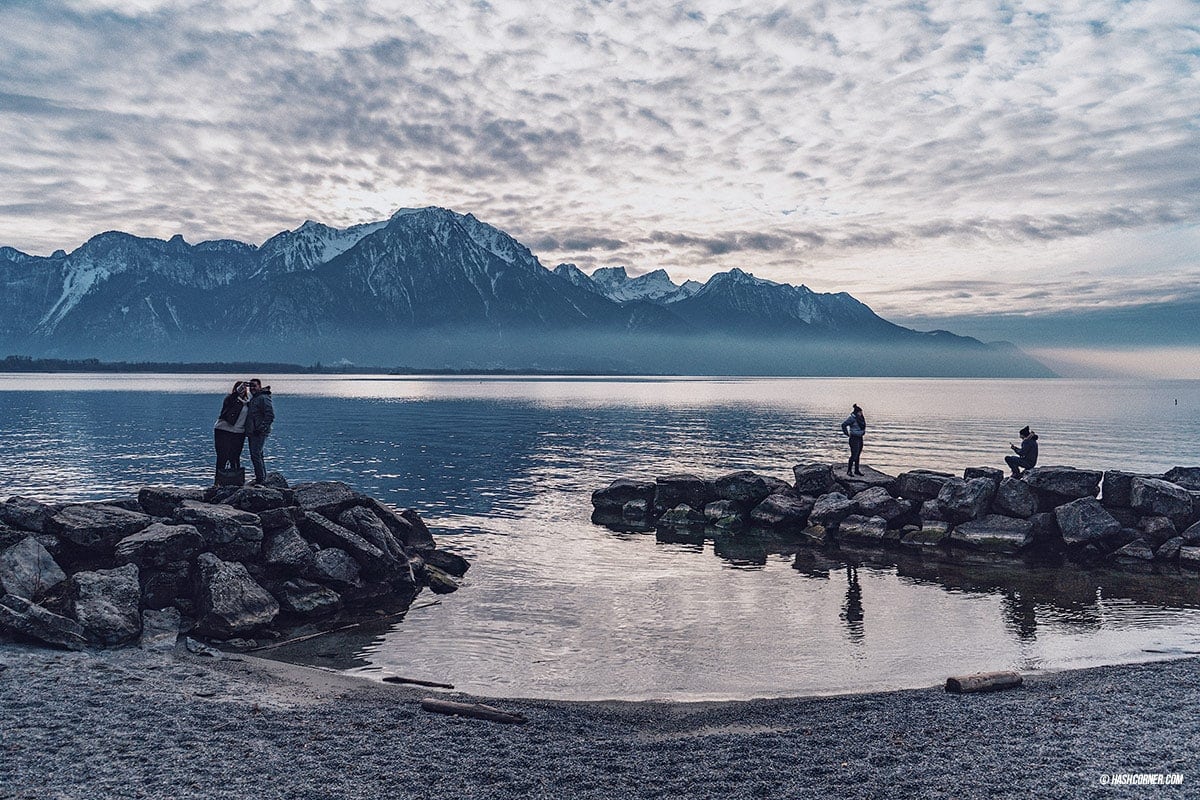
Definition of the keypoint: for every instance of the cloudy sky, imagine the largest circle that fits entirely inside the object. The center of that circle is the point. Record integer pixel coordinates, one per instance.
(1018, 170)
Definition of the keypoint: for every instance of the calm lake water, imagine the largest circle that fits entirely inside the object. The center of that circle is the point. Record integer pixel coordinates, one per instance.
(554, 606)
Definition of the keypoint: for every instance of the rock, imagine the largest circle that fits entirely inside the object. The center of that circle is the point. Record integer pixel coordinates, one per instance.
(160, 546)
(1169, 550)
(201, 650)
(168, 586)
(1058, 485)
(921, 484)
(275, 480)
(275, 519)
(870, 478)
(621, 491)
(161, 501)
(28, 570)
(681, 516)
(1136, 551)
(991, 473)
(287, 551)
(725, 514)
(406, 525)
(1191, 534)
(307, 599)
(328, 498)
(1084, 521)
(994, 534)
(830, 509)
(27, 619)
(1189, 557)
(1015, 498)
(160, 629)
(746, 487)
(26, 514)
(1046, 535)
(320, 530)
(1116, 487)
(813, 479)
(228, 532)
(96, 527)
(450, 563)
(673, 490)
(107, 604)
(1186, 477)
(867, 530)
(1157, 530)
(636, 510)
(932, 534)
(930, 511)
(877, 502)
(127, 503)
(1151, 496)
(255, 499)
(439, 581)
(961, 501)
(335, 567)
(781, 511)
(229, 601)
(368, 525)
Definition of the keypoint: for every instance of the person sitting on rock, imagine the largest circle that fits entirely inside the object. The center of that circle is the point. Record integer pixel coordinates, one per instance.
(1026, 455)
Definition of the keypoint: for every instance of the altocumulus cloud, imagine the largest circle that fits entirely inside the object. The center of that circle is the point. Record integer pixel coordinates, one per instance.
(824, 142)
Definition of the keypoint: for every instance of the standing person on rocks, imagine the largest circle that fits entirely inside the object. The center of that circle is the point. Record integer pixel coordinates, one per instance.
(261, 413)
(1026, 455)
(229, 432)
(855, 426)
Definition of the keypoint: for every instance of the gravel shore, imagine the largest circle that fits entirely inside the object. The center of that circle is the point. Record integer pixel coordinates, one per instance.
(135, 724)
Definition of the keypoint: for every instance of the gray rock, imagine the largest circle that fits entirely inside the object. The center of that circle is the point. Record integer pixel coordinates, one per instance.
(1116, 487)
(230, 602)
(673, 490)
(96, 527)
(287, 551)
(169, 586)
(336, 568)
(228, 532)
(813, 479)
(107, 604)
(28, 570)
(994, 534)
(160, 629)
(320, 530)
(636, 509)
(1157, 530)
(368, 525)
(1189, 557)
(160, 546)
(1014, 498)
(991, 473)
(961, 501)
(450, 563)
(1187, 477)
(781, 511)
(1084, 521)
(255, 499)
(866, 530)
(275, 519)
(725, 514)
(29, 620)
(1154, 497)
(439, 582)
(921, 484)
(1191, 534)
(328, 498)
(931, 534)
(930, 511)
(1136, 551)
(26, 514)
(746, 487)
(406, 525)
(681, 516)
(161, 501)
(1169, 550)
(877, 502)
(870, 478)
(275, 480)
(830, 509)
(1058, 485)
(307, 599)
(1046, 534)
(621, 491)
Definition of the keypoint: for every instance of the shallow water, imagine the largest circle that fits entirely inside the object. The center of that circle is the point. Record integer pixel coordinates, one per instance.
(557, 607)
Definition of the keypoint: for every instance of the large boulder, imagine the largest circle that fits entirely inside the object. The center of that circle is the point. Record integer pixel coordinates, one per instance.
(368, 525)
(1189, 557)
(161, 501)
(1084, 521)
(830, 509)
(725, 514)
(307, 599)
(96, 527)
(867, 530)
(673, 490)
(169, 586)
(991, 473)
(228, 532)
(930, 534)
(320, 530)
(450, 563)
(921, 484)
(1169, 550)
(26, 514)
(160, 546)
(160, 629)
(1046, 535)
(994, 534)
(1157, 530)
(328, 498)
(747, 487)
(335, 567)
(275, 519)
(636, 511)
(1057, 485)
(870, 478)
(621, 491)
(961, 501)
(255, 499)
(1152, 496)
(1187, 477)
(286, 551)
(28, 570)
(878, 502)
(1014, 498)
(406, 525)
(781, 511)
(1135, 552)
(107, 603)
(230, 602)
(681, 516)
(25, 618)
(1116, 486)
(813, 479)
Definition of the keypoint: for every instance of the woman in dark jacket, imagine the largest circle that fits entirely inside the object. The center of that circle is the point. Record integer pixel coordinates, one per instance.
(229, 432)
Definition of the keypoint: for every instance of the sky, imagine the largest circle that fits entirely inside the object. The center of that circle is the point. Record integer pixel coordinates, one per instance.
(1027, 171)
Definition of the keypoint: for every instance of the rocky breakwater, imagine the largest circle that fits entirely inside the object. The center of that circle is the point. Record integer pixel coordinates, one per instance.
(223, 564)
(1118, 518)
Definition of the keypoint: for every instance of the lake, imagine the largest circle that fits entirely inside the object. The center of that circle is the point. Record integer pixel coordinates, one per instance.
(554, 606)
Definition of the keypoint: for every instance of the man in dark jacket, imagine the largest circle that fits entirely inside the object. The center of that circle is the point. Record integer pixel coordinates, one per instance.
(1026, 455)
(260, 414)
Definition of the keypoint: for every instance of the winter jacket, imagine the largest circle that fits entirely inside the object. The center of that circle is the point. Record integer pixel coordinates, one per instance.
(854, 425)
(234, 407)
(1028, 452)
(261, 413)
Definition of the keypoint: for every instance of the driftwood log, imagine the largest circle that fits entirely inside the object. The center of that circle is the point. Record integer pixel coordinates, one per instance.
(473, 710)
(983, 682)
(416, 682)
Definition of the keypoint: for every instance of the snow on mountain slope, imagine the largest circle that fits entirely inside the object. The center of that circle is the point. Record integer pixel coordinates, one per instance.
(655, 287)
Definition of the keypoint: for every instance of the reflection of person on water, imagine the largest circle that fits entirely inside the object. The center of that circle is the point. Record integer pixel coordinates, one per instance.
(852, 609)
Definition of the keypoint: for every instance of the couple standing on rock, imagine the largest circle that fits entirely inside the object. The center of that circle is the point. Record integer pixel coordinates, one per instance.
(246, 413)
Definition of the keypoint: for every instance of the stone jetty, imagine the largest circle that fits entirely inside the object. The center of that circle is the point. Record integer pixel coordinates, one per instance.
(225, 564)
(1120, 518)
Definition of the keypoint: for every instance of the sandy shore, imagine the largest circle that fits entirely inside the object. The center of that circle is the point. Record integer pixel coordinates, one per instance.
(135, 724)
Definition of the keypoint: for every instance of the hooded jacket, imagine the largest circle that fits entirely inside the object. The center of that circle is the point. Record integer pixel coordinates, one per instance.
(261, 413)
(1028, 453)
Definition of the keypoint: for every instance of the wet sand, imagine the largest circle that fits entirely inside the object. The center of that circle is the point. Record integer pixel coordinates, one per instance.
(136, 724)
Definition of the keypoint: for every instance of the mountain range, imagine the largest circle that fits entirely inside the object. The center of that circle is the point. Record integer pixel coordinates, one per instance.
(433, 288)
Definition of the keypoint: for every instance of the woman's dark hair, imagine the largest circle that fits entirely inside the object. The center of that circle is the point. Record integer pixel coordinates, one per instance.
(237, 387)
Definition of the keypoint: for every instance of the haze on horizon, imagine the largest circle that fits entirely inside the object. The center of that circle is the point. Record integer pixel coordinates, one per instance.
(1026, 171)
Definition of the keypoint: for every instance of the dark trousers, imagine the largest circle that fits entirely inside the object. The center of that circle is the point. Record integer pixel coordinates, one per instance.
(1016, 463)
(856, 443)
(229, 449)
(256, 456)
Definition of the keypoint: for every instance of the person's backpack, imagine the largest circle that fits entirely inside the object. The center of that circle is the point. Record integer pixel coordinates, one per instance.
(231, 409)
